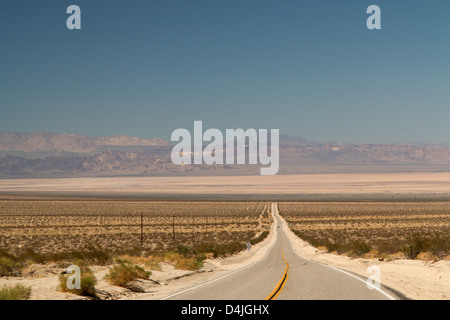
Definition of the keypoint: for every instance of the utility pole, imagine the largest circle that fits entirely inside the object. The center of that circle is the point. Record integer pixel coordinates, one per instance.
(142, 229)
(173, 227)
(193, 230)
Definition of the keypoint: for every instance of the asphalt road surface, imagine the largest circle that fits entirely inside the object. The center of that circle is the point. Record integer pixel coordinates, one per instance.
(283, 275)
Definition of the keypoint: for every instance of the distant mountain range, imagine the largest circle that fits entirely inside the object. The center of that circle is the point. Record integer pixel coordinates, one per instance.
(62, 142)
(46, 154)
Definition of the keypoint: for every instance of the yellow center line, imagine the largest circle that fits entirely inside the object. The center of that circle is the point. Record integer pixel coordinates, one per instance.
(280, 285)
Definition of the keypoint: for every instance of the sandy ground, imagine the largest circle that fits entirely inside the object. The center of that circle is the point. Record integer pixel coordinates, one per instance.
(386, 183)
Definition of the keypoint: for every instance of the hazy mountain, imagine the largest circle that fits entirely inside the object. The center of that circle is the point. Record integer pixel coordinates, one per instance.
(136, 162)
(370, 153)
(63, 142)
(44, 154)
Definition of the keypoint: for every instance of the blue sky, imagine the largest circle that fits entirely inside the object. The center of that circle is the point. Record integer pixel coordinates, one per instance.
(308, 68)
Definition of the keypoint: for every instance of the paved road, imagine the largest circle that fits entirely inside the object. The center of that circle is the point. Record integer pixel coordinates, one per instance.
(282, 274)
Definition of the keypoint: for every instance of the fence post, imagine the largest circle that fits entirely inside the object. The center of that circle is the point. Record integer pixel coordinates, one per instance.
(142, 229)
(173, 227)
(193, 230)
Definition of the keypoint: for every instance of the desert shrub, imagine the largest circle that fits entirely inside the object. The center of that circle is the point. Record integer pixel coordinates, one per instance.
(125, 272)
(416, 243)
(182, 262)
(6, 254)
(87, 282)
(192, 258)
(440, 247)
(220, 249)
(315, 242)
(17, 292)
(359, 248)
(390, 246)
(260, 238)
(30, 255)
(9, 267)
(152, 262)
(332, 247)
(6, 267)
(88, 255)
(339, 246)
(185, 250)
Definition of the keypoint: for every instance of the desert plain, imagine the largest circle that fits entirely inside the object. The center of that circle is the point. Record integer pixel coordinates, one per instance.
(378, 184)
(369, 208)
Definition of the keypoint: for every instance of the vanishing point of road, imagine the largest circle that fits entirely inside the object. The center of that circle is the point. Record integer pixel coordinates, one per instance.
(283, 275)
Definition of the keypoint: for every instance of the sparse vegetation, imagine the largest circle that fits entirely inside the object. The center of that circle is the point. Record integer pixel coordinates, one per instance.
(67, 229)
(88, 255)
(371, 229)
(17, 292)
(359, 249)
(9, 264)
(151, 262)
(95, 232)
(260, 238)
(87, 233)
(416, 243)
(7, 267)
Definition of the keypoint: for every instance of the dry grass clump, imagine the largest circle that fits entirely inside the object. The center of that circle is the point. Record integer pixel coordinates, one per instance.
(151, 262)
(186, 258)
(124, 274)
(426, 256)
(183, 262)
(17, 292)
(9, 264)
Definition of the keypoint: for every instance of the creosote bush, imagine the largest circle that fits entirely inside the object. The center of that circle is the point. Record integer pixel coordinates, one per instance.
(17, 292)
(9, 264)
(359, 249)
(416, 244)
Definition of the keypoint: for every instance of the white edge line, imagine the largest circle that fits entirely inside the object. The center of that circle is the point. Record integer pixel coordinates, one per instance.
(232, 272)
(387, 295)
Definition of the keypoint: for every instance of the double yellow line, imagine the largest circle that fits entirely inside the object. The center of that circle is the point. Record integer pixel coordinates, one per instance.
(280, 285)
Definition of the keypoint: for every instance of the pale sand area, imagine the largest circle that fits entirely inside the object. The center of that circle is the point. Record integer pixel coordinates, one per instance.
(389, 183)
